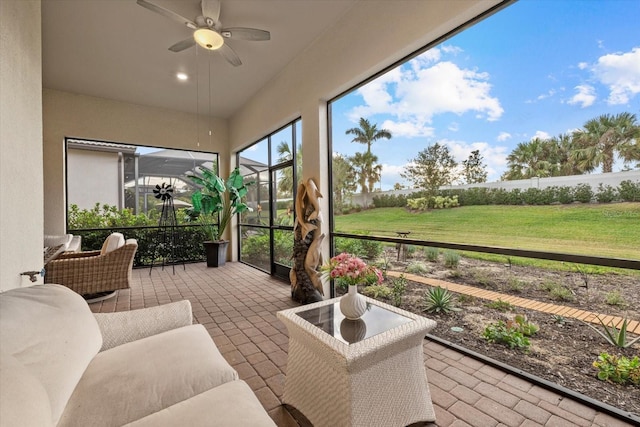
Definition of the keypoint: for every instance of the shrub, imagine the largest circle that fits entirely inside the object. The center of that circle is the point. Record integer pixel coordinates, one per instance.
(451, 259)
(417, 267)
(561, 293)
(377, 291)
(369, 249)
(436, 300)
(618, 369)
(502, 333)
(432, 254)
(614, 298)
(500, 305)
(564, 195)
(629, 191)
(390, 201)
(583, 193)
(606, 194)
(515, 285)
(557, 291)
(398, 289)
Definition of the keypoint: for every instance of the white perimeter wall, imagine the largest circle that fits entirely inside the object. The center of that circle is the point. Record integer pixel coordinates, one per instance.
(21, 210)
(93, 178)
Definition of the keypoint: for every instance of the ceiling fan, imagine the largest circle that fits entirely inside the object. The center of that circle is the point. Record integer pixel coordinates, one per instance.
(208, 31)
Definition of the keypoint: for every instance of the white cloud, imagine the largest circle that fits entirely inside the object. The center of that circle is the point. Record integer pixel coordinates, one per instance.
(454, 127)
(503, 136)
(540, 134)
(549, 94)
(413, 94)
(454, 50)
(621, 74)
(585, 96)
(583, 65)
(409, 129)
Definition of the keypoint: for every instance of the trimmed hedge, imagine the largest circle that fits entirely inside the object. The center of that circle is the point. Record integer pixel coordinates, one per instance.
(627, 191)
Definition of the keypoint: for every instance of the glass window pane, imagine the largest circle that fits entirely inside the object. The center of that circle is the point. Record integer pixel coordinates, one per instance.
(283, 247)
(283, 190)
(258, 200)
(255, 158)
(255, 248)
(281, 144)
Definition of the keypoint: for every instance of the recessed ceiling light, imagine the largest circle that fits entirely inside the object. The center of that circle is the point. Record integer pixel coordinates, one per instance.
(182, 76)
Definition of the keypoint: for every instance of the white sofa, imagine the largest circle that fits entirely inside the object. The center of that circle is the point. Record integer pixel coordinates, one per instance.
(62, 365)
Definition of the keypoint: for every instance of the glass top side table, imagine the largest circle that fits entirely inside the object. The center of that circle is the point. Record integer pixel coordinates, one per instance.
(357, 373)
(374, 321)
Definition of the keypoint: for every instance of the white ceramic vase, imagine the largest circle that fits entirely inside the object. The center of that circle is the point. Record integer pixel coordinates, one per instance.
(352, 304)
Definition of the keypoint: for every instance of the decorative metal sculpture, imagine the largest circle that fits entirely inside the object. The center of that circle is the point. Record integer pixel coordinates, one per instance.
(168, 238)
(306, 285)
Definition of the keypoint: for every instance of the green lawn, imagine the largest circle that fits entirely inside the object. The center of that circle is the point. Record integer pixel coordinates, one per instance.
(611, 230)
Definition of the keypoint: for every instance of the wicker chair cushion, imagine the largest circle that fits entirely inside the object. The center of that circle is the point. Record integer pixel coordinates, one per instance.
(113, 242)
(55, 240)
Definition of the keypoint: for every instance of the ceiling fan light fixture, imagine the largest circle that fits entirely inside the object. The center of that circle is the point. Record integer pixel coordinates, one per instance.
(208, 39)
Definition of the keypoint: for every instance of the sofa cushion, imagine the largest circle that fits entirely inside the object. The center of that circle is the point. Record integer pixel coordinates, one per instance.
(232, 404)
(52, 332)
(136, 379)
(24, 400)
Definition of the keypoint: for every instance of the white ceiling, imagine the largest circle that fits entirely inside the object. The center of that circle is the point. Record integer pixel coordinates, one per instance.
(118, 50)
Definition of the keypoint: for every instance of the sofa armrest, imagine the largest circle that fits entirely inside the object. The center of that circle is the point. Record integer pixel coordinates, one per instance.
(126, 326)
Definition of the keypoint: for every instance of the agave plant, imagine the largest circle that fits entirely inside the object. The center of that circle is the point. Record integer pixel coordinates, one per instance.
(438, 300)
(613, 335)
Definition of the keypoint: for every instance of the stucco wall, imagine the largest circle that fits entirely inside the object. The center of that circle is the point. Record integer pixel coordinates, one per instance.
(85, 117)
(21, 209)
(93, 177)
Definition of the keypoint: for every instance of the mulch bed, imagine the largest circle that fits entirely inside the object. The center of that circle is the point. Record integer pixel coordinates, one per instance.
(564, 349)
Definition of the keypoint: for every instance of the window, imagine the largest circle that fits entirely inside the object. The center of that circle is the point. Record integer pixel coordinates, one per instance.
(502, 119)
(274, 164)
(114, 187)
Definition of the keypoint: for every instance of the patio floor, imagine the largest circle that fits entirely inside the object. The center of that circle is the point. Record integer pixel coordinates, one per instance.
(238, 304)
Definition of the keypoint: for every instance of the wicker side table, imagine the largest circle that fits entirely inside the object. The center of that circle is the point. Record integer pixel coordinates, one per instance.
(359, 379)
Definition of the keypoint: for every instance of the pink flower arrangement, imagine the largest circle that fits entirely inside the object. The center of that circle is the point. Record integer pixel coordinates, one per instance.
(348, 269)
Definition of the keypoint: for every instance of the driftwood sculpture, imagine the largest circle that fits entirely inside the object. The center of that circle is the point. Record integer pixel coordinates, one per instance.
(306, 285)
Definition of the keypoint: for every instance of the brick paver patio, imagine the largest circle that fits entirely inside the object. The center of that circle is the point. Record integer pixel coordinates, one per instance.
(238, 304)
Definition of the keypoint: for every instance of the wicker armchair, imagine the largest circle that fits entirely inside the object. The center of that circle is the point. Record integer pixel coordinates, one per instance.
(95, 272)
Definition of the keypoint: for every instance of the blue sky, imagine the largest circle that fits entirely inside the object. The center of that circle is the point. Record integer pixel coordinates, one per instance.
(537, 68)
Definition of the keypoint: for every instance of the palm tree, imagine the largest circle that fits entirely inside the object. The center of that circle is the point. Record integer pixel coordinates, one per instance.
(366, 169)
(367, 133)
(605, 136)
(530, 159)
(285, 184)
(563, 147)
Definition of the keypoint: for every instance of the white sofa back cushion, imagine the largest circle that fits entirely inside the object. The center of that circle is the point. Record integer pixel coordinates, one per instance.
(24, 400)
(51, 331)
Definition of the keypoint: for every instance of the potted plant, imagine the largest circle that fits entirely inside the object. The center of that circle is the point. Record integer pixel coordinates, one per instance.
(214, 204)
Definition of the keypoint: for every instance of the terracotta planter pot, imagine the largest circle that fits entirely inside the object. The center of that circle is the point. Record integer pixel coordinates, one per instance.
(216, 253)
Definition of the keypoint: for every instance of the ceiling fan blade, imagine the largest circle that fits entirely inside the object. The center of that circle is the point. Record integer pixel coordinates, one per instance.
(251, 34)
(230, 55)
(167, 13)
(211, 9)
(182, 45)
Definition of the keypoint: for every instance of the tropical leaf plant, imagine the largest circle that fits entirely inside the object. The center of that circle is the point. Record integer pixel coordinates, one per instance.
(215, 197)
